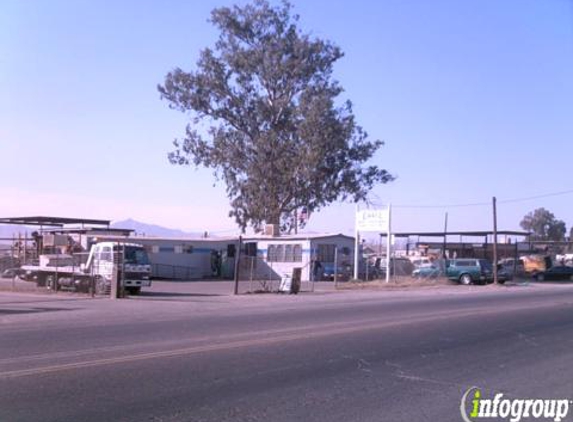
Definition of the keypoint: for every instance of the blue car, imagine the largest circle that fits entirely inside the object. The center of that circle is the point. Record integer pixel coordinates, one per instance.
(343, 272)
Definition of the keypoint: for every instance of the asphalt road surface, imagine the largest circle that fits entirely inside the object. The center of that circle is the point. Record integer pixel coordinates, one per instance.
(352, 356)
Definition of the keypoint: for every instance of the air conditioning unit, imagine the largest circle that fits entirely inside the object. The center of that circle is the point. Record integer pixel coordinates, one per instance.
(272, 230)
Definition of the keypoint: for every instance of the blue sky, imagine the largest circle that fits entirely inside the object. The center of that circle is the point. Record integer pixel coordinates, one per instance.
(474, 99)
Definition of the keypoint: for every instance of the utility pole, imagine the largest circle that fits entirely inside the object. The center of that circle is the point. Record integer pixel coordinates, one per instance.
(237, 261)
(389, 243)
(356, 240)
(495, 280)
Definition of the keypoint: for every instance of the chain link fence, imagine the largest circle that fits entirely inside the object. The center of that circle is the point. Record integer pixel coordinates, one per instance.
(257, 275)
(20, 271)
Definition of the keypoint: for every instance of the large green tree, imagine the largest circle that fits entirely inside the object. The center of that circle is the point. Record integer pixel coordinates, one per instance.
(266, 117)
(543, 225)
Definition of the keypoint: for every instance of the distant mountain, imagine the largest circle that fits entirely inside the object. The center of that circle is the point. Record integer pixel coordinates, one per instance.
(9, 230)
(151, 229)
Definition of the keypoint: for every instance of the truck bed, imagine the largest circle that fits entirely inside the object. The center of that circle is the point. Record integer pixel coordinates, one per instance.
(60, 270)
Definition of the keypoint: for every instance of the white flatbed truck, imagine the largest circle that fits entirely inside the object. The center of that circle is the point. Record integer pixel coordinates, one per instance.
(128, 261)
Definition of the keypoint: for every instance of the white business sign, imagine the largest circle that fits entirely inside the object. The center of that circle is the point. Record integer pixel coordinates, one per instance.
(372, 220)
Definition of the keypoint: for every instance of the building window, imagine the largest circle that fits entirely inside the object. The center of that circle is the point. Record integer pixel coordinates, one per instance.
(166, 249)
(181, 249)
(106, 254)
(284, 253)
(297, 253)
(280, 253)
(272, 253)
(289, 255)
(251, 249)
(325, 252)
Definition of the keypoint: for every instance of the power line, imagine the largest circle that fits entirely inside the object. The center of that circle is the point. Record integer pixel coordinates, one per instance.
(474, 204)
(481, 204)
(565, 192)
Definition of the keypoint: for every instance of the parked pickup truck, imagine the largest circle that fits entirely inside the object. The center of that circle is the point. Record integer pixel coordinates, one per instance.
(473, 271)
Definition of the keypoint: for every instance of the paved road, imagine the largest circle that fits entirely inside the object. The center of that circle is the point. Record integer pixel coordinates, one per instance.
(352, 356)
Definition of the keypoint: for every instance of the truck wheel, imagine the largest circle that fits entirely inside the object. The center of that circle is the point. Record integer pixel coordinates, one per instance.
(134, 291)
(82, 285)
(41, 280)
(465, 279)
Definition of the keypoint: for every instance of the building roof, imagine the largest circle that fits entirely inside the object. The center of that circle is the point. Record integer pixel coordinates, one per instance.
(479, 233)
(52, 221)
(300, 236)
(253, 238)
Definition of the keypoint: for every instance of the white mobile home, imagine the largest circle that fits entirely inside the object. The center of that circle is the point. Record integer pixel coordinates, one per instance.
(279, 255)
(189, 258)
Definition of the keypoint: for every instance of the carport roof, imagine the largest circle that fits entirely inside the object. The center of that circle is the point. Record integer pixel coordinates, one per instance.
(52, 221)
(90, 230)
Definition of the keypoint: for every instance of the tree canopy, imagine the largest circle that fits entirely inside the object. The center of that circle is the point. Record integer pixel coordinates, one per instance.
(266, 117)
(543, 225)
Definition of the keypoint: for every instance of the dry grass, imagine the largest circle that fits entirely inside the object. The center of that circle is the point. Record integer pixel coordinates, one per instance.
(396, 282)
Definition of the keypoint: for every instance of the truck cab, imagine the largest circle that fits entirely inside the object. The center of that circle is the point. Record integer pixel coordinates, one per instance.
(131, 260)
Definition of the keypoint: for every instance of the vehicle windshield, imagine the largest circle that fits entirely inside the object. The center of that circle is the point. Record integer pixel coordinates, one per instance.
(136, 255)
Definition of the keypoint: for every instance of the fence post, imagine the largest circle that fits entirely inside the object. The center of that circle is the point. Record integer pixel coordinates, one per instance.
(237, 266)
(25, 248)
(251, 278)
(335, 268)
(114, 294)
(92, 278)
(55, 287)
(271, 277)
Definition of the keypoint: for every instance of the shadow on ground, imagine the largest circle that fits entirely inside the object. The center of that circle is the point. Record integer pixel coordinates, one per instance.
(177, 294)
(31, 310)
